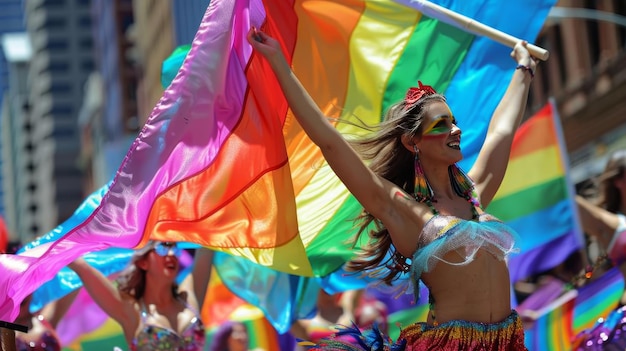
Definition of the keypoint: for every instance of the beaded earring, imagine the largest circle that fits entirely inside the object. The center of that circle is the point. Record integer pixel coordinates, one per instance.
(423, 191)
(461, 183)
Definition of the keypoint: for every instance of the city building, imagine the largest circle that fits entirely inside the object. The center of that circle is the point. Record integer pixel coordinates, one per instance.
(16, 136)
(62, 60)
(11, 21)
(108, 120)
(160, 27)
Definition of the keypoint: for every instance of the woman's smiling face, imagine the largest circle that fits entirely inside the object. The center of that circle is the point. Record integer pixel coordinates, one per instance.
(441, 137)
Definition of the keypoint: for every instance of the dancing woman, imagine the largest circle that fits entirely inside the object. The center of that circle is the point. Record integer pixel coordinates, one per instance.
(154, 312)
(425, 208)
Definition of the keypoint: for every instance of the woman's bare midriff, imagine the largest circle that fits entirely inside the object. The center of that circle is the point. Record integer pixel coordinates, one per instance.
(477, 292)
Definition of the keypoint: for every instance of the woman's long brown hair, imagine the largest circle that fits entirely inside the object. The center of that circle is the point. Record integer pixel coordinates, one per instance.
(390, 159)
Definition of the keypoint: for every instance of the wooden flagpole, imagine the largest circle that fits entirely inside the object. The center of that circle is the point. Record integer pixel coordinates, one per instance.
(472, 26)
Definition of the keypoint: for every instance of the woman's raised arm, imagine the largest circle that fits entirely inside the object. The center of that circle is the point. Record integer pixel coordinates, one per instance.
(597, 221)
(105, 294)
(374, 193)
(198, 281)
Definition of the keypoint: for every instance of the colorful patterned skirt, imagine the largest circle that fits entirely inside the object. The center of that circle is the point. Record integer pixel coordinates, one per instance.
(507, 335)
(463, 335)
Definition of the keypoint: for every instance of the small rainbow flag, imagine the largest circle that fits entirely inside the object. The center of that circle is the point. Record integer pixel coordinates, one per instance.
(221, 150)
(558, 325)
(597, 299)
(536, 196)
(551, 329)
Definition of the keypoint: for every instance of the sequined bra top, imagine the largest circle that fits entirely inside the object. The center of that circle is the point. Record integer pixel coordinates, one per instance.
(444, 233)
(157, 338)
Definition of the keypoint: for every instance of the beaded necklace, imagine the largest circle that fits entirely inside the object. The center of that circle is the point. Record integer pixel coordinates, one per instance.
(473, 202)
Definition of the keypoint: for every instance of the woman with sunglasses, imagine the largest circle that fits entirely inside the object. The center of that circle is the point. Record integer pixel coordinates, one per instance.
(154, 312)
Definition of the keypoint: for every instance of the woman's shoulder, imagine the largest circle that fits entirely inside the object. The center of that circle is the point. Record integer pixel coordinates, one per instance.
(407, 227)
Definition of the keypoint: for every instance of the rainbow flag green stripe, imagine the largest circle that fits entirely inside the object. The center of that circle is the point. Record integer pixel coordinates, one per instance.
(529, 201)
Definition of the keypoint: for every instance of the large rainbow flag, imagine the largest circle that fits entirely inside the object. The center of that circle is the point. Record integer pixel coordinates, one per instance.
(221, 161)
(536, 196)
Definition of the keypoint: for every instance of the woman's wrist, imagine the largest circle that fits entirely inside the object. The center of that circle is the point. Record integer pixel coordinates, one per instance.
(527, 69)
(279, 63)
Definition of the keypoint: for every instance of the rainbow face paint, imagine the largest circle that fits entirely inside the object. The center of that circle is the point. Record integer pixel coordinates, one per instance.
(440, 125)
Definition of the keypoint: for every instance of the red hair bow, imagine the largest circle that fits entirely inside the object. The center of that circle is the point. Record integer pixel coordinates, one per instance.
(416, 93)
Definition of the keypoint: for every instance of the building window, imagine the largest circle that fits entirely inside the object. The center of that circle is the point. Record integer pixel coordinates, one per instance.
(593, 31)
(557, 45)
(63, 133)
(60, 87)
(59, 66)
(85, 44)
(55, 23)
(57, 44)
(62, 109)
(87, 65)
(84, 21)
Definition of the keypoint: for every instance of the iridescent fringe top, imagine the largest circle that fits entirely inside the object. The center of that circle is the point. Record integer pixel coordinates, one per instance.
(444, 233)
